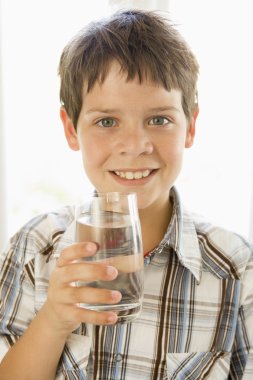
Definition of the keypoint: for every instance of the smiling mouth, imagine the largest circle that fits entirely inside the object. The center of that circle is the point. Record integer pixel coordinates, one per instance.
(139, 174)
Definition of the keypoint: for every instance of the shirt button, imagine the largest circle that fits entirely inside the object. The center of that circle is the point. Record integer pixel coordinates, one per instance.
(118, 357)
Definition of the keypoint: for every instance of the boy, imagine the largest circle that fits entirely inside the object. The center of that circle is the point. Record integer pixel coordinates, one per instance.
(128, 92)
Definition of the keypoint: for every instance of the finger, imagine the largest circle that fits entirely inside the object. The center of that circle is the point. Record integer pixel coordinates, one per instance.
(78, 295)
(87, 272)
(94, 317)
(76, 252)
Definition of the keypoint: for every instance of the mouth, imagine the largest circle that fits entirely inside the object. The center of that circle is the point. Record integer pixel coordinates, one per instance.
(133, 175)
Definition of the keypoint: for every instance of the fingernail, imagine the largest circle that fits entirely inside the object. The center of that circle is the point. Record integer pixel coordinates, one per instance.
(111, 271)
(90, 247)
(112, 318)
(116, 295)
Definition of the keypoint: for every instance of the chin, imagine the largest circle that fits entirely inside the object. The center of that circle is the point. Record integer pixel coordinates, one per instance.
(144, 202)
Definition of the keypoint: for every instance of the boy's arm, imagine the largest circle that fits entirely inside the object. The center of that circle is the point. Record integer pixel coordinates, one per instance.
(242, 354)
(37, 352)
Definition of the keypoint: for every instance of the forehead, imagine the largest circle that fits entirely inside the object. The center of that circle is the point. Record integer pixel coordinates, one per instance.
(116, 84)
(113, 69)
(120, 98)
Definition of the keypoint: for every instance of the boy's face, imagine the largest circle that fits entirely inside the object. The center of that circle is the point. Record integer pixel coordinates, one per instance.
(132, 137)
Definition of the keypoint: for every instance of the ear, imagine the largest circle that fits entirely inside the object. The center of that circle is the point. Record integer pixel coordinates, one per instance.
(191, 129)
(69, 130)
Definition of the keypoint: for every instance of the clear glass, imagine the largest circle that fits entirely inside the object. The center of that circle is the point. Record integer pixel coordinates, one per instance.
(111, 220)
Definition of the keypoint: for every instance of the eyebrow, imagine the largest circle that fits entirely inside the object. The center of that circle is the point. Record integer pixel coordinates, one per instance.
(166, 108)
(112, 110)
(105, 110)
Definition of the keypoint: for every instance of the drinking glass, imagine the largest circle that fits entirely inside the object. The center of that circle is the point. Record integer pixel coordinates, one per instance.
(111, 220)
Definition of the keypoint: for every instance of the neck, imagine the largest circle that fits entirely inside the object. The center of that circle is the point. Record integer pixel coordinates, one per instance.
(154, 223)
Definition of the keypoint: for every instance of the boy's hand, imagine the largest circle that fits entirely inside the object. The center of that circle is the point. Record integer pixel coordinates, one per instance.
(63, 296)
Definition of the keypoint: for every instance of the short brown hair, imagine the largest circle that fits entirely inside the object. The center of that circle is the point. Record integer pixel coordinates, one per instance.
(143, 42)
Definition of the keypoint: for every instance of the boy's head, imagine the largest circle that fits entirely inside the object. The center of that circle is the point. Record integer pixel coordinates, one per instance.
(144, 44)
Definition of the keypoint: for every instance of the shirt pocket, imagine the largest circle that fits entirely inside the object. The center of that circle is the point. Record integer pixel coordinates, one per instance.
(198, 366)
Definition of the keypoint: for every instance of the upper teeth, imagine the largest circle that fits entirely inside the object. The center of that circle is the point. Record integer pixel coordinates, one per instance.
(133, 175)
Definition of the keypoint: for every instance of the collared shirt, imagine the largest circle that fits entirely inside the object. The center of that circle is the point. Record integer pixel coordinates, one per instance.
(197, 315)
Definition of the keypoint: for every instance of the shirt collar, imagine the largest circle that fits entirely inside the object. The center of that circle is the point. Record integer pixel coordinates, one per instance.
(182, 237)
(67, 237)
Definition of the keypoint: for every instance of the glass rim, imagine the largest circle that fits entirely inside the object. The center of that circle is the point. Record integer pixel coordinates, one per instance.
(108, 196)
(120, 193)
(107, 193)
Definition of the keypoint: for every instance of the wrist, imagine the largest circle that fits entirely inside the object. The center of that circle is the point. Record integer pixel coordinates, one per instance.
(52, 324)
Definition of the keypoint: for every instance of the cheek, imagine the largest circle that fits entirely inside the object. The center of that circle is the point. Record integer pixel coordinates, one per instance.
(93, 151)
(172, 151)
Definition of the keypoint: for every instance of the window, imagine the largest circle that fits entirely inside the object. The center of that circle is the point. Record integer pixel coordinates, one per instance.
(41, 172)
(218, 170)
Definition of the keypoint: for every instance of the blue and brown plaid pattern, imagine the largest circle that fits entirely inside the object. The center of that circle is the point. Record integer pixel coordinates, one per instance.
(197, 316)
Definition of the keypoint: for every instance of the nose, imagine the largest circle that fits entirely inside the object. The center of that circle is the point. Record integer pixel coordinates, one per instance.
(134, 142)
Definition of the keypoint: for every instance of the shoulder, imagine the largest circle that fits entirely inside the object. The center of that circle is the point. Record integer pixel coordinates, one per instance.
(223, 251)
(39, 234)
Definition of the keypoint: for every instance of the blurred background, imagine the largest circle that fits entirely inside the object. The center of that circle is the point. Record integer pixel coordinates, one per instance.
(38, 172)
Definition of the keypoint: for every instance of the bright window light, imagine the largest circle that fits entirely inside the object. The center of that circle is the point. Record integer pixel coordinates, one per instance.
(218, 170)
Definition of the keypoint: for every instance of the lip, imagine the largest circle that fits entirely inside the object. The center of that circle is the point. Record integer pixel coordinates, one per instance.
(133, 182)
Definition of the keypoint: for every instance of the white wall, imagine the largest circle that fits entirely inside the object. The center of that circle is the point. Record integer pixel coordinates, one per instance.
(41, 172)
(2, 153)
(218, 173)
(141, 4)
(251, 213)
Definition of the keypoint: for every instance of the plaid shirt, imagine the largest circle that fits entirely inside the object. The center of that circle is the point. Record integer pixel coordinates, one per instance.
(197, 317)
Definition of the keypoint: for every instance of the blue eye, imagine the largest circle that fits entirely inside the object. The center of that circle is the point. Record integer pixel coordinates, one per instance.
(159, 120)
(106, 123)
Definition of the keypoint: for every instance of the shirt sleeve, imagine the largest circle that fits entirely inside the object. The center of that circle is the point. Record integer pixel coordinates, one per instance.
(242, 354)
(16, 292)
(25, 267)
